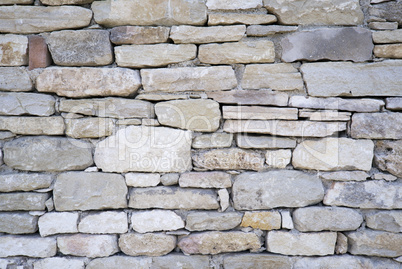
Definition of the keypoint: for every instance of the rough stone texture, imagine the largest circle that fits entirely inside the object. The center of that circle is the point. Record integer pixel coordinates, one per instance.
(232, 4)
(24, 182)
(394, 103)
(89, 127)
(278, 158)
(388, 51)
(170, 179)
(251, 261)
(216, 140)
(345, 176)
(33, 125)
(26, 201)
(39, 56)
(87, 81)
(353, 79)
(156, 220)
(381, 37)
(173, 198)
(118, 262)
(196, 115)
(330, 154)
(287, 221)
(58, 223)
(183, 261)
(12, 2)
(282, 77)
(218, 242)
(375, 243)
(254, 191)
(201, 35)
(324, 115)
(65, 2)
(223, 199)
(245, 51)
(38, 19)
(391, 11)
(376, 125)
(138, 56)
(14, 79)
(205, 180)
(86, 245)
(229, 159)
(145, 149)
(30, 246)
(86, 191)
(60, 263)
(388, 156)
(150, 244)
(341, 246)
(389, 221)
(270, 142)
(262, 220)
(114, 13)
(202, 221)
(259, 113)
(315, 219)
(250, 97)
(353, 43)
(383, 25)
(142, 180)
(45, 153)
(80, 48)
(139, 35)
(13, 50)
(239, 18)
(369, 194)
(306, 244)
(18, 223)
(384, 176)
(327, 12)
(267, 30)
(104, 223)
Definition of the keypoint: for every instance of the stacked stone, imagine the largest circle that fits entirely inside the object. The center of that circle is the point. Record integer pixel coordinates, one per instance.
(200, 134)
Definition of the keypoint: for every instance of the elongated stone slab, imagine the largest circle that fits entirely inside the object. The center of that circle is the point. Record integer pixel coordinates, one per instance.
(263, 220)
(14, 79)
(377, 125)
(269, 142)
(201, 221)
(65, 2)
(18, 223)
(33, 125)
(15, 104)
(200, 35)
(139, 35)
(25, 201)
(205, 180)
(106, 222)
(149, 244)
(14, 50)
(86, 245)
(259, 113)
(375, 243)
(324, 115)
(345, 176)
(24, 182)
(30, 246)
(250, 261)
(389, 221)
(250, 97)
(240, 18)
(215, 140)
(393, 51)
(116, 262)
(89, 127)
(267, 30)
(344, 261)
(233, 4)
(394, 103)
(385, 37)
(156, 220)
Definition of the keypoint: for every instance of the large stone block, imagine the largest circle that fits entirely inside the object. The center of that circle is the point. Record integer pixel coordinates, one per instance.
(59, 262)
(259, 113)
(202, 221)
(14, 79)
(263, 220)
(86, 245)
(33, 125)
(388, 156)
(14, 50)
(233, 4)
(119, 262)
(26, 201)
(58, 223)
(375, 243)
(107, 222)
(24, 182)
(254, 191)
(145, 149)
(250, 97)
(30, 246)
(156, 220)
(389, 221)
(18, 223)
(149, 244)
(139, 35)
(188, 262)
(376, 125)
(200, 35)
(89, 127)
(205, 180)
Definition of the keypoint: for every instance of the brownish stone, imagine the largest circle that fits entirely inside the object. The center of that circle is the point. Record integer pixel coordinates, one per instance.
(139, 35)
(264, 220)
(39, 56)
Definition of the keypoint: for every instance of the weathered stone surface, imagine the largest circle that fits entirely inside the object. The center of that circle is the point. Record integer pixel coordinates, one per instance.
(229, 159)
(59, 262)
(324, 115)
(14, 50)
(44, 153)
(23, 201)
(218, 242)
(142, 179)
(264, 220)
(39, 56)
(250, 97)
(353, 43)
(33, 125)
(287, 221)
(391, 11)
(14, 79)
(150, 244)
(24, 182)
(31, 246)
(18, 223)
(376, 125)
(369, 194)
(80, 48)
(278, 158)
(86, 191)
(12, 2)
(266, 30)
(306, 244)
(381, 37)
(173, 260)
(390, 221)
(240, 18)
(315, 219)
(89, 127)
(202, 221)
(330, 154)
(327, 12)
(384, 176)
(58, 223)
(259, 113)
(353, 79)
(156, 220)
(170, 179)
(394, 103)
(145, 149)
(344, 261)
(246, 51)
(254, 191)
(199, 35)
(86, 81)
(282, 77)
(251, 261)
(65, 2)
(108, 222)
(162, 96)
(38, 19)
(375, 243)
(139, 35)
(341, 246)
(233, 4)
(270, 142)
(388, 156)
(197, 115)
(379, 25)
(118, 262)
(215, 140)
(173, 198)
(86, 245)
(205, 180)
(6, 134)
(188, 79)
(223, 199)
(345, 176)
(114, 13)
(388, 51)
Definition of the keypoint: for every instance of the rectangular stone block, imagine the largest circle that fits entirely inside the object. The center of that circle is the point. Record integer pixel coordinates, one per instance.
(259, 113)
(58, 223)
(375, 243)
(18, 223)
(14, 49)
(104, 223)
(250, 97)
(202, 221)
(59, 262)
(383, 25)
(215, 140)
(216, 180)
(66, 2)
(250, 261)
(120, 262)
(264, 142)
(389, 221)
(201, 35)
(191, 262)
(377, 125)
(385, 37)
(149, 244)
(15, 79)
(86, 245)
(263, 220)
(394, 103)
(30, 246)
(33, 125)
(232, 4)
(345, 176)
(139, 35)
(393, 51)
(24, 182)
(240, 18)
(156, 220)
(12, 2)
(324, 115)
(15, 104)
(140, 180)
(24, 201)
(267, 30)
(39, 56)
(89, 127)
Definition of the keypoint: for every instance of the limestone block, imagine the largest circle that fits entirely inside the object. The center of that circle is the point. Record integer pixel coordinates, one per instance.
(393, 51)
(259, 113)
(149, 244)
(215, 140)
(117, 262)
(381, 37)
(156, 220)
(205, 180)
(33, 125)
(59, 262)
(200, 35)
(389, 221)
(240, 18)
(278, 158)
(13, 49)
(58, 223)
(86, 245)
(263, 220)
(65, 2)
(250, 261)
(140, 180)
(172, 260)
(375, 243)
(390, 11)
(267, 30)
(139, 35)
(89, 127)
(202, 221)
(30, 246)
(376, 125)
(270, 142)
(24, 181)
(394, 103)
(26, 201)
(107, 222)
(324, 115)
(18, 223)
(345, 176)
(14, 79)
(250, 97)
(233, 4)
(388, 156)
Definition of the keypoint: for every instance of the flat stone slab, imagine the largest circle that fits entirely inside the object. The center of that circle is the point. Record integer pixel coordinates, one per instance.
(106, 222)
(30, 246)
(156, 220)
(15, 104)
(200, 35)
(376, 125)
(58, 223)
(89, 127)
(375, 243)
(259, 113)
(205, 180)
(201, 221)
(120, 262)
(24, 181)
(386, 37)
(249, 261)
(18, 223)
(139, 35)
(232, 4)
(240, 18)
(250, 97)
(269, 142)
(23, 201)
(150, 244)
(15, 79)
(33, 125)
(88, 245)
(267, 30)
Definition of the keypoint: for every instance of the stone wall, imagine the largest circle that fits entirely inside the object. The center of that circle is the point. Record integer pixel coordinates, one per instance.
(200, 134)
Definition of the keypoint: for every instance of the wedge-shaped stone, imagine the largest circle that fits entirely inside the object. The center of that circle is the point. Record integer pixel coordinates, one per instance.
(65, 2)
(14, 50)
(330, 154)
(139, 35)
(250, 97)
(389, 221)
(30, 246)
(108, 222)
(270, 142)
(205, 180)
(58, 223)
(250, 261)
(156, 220)
(353, 79)
(202, 221)
(189, 262)
(345, 176)
(188, 79)
(59, 262)
(114, 13)
(33, 125)
(26, 201)
(263, 220)
(89, 127)
(267, 30)
(85, 245)
(369, 194)
(375, 243)
(246, 51)
(381, 37)
(173, 198)
(259, 113)
(45, 153)
(116, 262)
(18, 223)
(145, 149)
(327, 12)
(26, 104)
(24, 182)
(240, 18)
(254, 191)
(393, 51)
(376, 125)
(150, 244)
(200, 35)
(38, 19)
(282, 77)
(388, 156)
(86, 81)
(14, 79)
(86, 191)
(217, 242)
(233, 4)
(394, 103)
(215, 140)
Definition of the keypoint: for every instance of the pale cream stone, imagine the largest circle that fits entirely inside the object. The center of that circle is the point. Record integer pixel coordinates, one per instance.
(386, 25)
(393, 51)
(324, 115)
(240, 18)
(263, 220)
(205, 180)
(375, 243)
(250, 97)
(267, 30)
(381, 37)
(156, 220)
(263, 142)
(200, 35)
(60, 263)
(142, 180)
(89, 127)
(224, 199)
(33, 125)
(23, 201)
(107, 222)
(18, 223)
(345, 176)
(389, 221)
(85, 245)
(116, 262)
(201, 221)
(26, 104)
(13, 50)
(65, 2)
(394, 103)
(24, 181)
(30, 246)
(139, 35)
(266, 261)
(58, 223)
(215, 140)
(259, 113)
(344, 261)
(287, 221)
(278, 158)
(376, 125)
(149, 244)
(341, 246)
(233, 4)
(170, 179)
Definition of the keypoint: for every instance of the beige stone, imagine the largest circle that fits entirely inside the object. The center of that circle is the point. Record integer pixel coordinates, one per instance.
(341, 246)
(287, 221)
(24, 181)
(250, 261)
(117, 262)
(386, 177)
(202, 221)
(156, 220)
(139, 35)
(379, 25)
(65, 2)
(161, 96)
(170, 179)
(388, 156)
(89, 127)
(375, 243)
(14, 79)
(267, 30)
(270, 142)
(389, 221)
(13, 50)
(250, 97)
(58, 223)
(12, 2)
(345, 176)
(129, 122)
(18, 223)
(86, 81)
(324, 115)
(278, 158)
(263, 220)
(223, 199)
(381, 37)
(59, 262)
(30, 246)
(200, 35)
(245, 51)
(388, 51)
(394, 103)
(16, 104)
(190, 262)
(215, 140)
(240, 18)
(86, 245)
(107, 222)
(33, 125)
(140, 180)
(259, 113)
(150, 244)
(26, 201)
(233, 4)
(376, 125)
(205, 180)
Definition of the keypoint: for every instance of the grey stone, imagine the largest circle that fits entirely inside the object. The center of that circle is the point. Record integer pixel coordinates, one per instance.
(250, 97)
(378, 25)
(139, 35)
(18, 223)
(30, 246)
(65, 2)
(255, 191)
(14, 79)
(324, 115)
(6, 135)
(170, 179)
(25, 201)
(345, 176)
(202, 221)
(388, 156)
(341, 246)
(24, 182)
(259, 113)
(266, 30)
(141, 180)
(232, 4)
(59, 262)
(264, 142)
(33, 125)
(252, 261)
(389, 221)
(156, 220)
(375, 243)
(287, 221)
(205, 180)
(89, 127)
(106, 222)
(215, 140)
(26, 104)
(12, 2)
(14, 50)
(394, 103)
(200, 35)
(58, 223)
(118, 262)
(278, 158)
(88, 245)
(240, 18)
(391, 11)
(381, 37)
(150, 244)
(171, 261)
(376, 125)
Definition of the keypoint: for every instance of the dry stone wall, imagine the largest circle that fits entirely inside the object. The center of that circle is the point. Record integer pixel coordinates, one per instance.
(200, 134)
